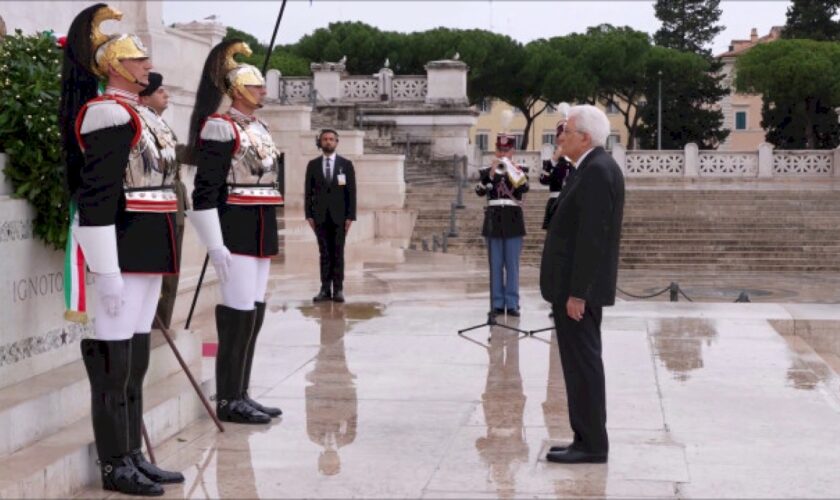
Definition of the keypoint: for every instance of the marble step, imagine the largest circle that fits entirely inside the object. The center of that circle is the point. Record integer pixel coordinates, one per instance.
(65, 462)
(39, 406)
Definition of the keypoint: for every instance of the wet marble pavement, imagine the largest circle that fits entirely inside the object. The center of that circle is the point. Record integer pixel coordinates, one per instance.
(382, 399)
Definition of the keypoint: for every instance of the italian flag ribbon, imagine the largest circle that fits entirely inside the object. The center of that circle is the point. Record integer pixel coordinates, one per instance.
(74, 276)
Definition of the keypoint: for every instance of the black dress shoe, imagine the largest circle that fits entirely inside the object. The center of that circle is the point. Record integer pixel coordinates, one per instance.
(120, 474)
(240, 412)
(498, 311)
(558, 449)
(513, 312)
(323, 296)
(573, 456)
(154, 472)
(268, 410)
(338, 296)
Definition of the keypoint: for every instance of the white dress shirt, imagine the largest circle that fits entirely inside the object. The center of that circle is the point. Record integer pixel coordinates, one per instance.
(331, 158)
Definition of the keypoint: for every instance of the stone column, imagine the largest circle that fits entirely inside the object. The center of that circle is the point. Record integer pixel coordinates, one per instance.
(836, 162)
(765, 160)
(692, 160)
(447, 83)
(619, 154)
(385, 78)
(272, 83)
(326, 81)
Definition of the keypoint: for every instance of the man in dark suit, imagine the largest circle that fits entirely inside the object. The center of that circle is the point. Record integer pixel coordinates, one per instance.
(578, 277)
(330, 205)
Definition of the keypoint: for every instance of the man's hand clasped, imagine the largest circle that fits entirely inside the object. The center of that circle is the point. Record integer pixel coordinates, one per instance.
(575, 307)
(220, 257)
(111, 289)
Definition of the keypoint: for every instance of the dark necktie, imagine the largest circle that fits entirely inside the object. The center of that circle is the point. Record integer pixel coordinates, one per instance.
(329, 171)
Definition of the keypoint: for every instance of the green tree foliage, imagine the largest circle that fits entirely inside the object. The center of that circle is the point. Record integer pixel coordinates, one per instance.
(800, 85)
(813, 20)
(29, 93)
(281, 59)
(690, 88)
(688, 25)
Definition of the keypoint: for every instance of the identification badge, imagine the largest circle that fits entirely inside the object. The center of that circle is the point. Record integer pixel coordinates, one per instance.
(342, 180)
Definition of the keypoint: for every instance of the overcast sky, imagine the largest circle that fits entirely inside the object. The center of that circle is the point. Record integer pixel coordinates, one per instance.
(522, 20)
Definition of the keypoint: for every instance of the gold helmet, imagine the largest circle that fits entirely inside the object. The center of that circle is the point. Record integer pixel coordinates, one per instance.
(109, 50)
(239, 75)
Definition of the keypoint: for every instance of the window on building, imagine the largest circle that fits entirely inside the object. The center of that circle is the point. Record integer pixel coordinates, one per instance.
(548, 137)
(611, 109)
(485, 105)
(612, 140)
(518, 136)
(482, 140)
(740, 120)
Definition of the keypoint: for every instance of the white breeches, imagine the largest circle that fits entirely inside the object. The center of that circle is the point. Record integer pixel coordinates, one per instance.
(247, 282)
(141, 293)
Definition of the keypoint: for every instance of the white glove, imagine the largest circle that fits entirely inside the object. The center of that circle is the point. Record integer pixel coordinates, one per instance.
(206, 223)
(110, 287)
(220, 257)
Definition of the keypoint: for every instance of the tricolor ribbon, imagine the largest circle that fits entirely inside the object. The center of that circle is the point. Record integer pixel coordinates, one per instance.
(74, 276)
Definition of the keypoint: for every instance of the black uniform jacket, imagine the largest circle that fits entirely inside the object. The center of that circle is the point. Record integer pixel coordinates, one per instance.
(246, 229)
(145, 241)
(553, 177)
(506, 221)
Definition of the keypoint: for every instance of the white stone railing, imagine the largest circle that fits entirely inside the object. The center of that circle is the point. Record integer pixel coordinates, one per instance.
(787, 163)
(295, 90)
(360, 89)
(409, 88)
(765, 163)
(330, 85)
(655, 163)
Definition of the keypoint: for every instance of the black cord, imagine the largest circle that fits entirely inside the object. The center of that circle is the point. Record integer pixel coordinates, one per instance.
(644, 296)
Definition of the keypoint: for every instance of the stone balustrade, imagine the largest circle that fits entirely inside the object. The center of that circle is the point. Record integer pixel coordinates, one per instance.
(444, 83)
(764, 163)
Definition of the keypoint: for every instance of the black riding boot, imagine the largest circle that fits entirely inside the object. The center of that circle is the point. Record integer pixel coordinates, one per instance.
(140, 350)
(259, 307)
(108, 364)
(235, 329)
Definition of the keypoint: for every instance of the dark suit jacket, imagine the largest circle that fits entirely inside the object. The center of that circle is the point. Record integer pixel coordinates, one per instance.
(580, 256)
(324, 199)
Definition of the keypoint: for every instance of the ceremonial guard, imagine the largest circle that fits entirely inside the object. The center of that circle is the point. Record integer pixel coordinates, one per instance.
(553, 175)
(503, 183)
(122, 206)
(154, 100)
(238, 186)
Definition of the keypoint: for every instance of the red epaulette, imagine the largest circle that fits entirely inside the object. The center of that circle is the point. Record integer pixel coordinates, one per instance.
(233, 126)
(135, 118)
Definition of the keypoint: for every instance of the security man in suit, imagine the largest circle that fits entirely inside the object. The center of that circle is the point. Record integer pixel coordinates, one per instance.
(503, 183)
(578, 277)
(330, 207)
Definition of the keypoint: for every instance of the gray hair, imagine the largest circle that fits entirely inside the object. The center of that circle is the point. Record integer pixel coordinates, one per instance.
(593, 121)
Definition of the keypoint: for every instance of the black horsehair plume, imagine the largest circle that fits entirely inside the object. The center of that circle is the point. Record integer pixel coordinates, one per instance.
(211, 90)
(78, 85)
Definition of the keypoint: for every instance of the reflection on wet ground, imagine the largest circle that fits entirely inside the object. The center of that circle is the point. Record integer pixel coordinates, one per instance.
(382, 399)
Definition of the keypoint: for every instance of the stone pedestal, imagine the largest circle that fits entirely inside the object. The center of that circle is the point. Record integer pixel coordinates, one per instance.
(692, 160)
(326, 81)
(765, 160)
(447, 83)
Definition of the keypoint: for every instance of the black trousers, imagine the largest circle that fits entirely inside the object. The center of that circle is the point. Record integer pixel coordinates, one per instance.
(331, 247)
(583, 369)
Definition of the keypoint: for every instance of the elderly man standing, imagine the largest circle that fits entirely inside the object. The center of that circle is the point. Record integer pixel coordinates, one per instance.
(578, 277)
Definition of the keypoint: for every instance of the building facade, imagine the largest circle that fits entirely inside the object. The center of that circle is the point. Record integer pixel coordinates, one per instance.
(742, 112)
